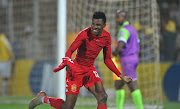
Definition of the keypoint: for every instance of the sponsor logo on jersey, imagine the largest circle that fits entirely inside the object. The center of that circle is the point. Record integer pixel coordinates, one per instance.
(122, 33)
(73, 88)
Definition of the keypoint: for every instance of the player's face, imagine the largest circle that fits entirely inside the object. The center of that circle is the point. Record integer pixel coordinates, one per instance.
(119, 19)
(97, 26)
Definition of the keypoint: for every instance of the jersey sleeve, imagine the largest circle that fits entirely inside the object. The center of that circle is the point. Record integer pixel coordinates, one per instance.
(107, 58)
(123, 35)
(76, 43)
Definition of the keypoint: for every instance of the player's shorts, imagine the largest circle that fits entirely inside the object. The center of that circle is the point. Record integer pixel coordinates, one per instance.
(129, 65)
(5, 69)
(116, 61)
(81, 77)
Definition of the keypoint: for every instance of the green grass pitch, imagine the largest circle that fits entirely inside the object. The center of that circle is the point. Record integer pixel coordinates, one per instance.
(13, 102)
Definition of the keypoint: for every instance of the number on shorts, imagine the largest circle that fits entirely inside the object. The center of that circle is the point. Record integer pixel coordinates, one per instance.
(96, 74)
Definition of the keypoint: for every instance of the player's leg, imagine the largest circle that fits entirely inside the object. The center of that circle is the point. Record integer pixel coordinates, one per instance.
(57, 103)
(120, 93)
(98, 91)
(94, 84)
(5, 71)
(133, 86)
(4, 86)
(136, 94)
(72, 91)
(61, 104)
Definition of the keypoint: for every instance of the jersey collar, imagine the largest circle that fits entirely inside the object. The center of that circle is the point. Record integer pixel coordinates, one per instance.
(125, 23)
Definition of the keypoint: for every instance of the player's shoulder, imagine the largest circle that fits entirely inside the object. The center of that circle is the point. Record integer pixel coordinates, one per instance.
(84, 31)
(123, 29)
(83, 34)
(105, 33)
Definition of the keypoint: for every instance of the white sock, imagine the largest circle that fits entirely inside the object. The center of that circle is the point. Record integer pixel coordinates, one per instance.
(42, 100)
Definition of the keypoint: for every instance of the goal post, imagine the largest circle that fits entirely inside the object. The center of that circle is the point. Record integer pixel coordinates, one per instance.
(61, 41)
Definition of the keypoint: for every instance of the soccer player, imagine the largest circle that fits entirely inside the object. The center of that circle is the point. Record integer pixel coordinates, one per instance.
(81, 70)
(6, 58)
(128, 49)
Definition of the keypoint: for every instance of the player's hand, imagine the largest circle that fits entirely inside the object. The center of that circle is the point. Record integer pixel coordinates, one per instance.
(115, 53)
(126, 79)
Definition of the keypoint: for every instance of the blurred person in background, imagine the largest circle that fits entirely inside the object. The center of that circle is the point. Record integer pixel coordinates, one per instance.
(169, 41)
(177, 56)
(127, 49)
(6, 59)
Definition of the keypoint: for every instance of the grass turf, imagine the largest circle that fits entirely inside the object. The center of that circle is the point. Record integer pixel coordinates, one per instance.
(13, 102)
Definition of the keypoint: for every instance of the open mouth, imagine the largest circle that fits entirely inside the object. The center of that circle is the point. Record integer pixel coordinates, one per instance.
(95, 30)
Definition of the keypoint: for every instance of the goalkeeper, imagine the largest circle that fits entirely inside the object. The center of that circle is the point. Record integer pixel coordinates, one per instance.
(128, 49)
(81, 70)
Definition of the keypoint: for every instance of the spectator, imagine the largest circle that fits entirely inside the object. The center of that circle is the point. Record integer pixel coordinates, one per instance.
(169, 41)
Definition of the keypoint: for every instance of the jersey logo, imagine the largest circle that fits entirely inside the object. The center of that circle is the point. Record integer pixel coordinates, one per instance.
(122, 33)
(73, 88)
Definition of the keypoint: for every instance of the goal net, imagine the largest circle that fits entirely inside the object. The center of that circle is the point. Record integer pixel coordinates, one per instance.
(31, 27)
(144, 16)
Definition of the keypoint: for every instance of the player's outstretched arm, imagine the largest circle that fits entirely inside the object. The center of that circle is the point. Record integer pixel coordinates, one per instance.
(109, 63)
(77, 42)
(107, 58)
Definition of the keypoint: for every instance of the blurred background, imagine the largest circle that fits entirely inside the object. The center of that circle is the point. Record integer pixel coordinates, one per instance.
(28, 43)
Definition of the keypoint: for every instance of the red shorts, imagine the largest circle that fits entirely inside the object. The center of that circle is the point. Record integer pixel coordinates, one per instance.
(76, 79)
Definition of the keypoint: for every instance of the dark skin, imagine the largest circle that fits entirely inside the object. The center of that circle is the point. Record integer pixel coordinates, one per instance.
(121, 17)
(97, 89)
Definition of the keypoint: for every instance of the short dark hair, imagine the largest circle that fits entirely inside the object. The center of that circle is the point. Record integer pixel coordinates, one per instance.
(122, 13)
(99, 15)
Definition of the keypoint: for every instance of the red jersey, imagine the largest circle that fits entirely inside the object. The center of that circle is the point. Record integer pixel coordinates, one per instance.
(88, 47)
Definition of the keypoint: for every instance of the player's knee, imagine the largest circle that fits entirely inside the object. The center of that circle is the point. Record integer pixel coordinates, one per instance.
(103, 97)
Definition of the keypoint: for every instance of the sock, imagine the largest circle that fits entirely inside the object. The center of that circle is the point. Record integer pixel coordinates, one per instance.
(54, 102)
(101, 106)
(45, 100)
(4, 87)
(137, 98)
(120, 96)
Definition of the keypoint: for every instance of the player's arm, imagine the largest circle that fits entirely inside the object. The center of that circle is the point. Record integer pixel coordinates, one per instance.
(67, 60)
(77, 42)
(123, 36)
(109, 63)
